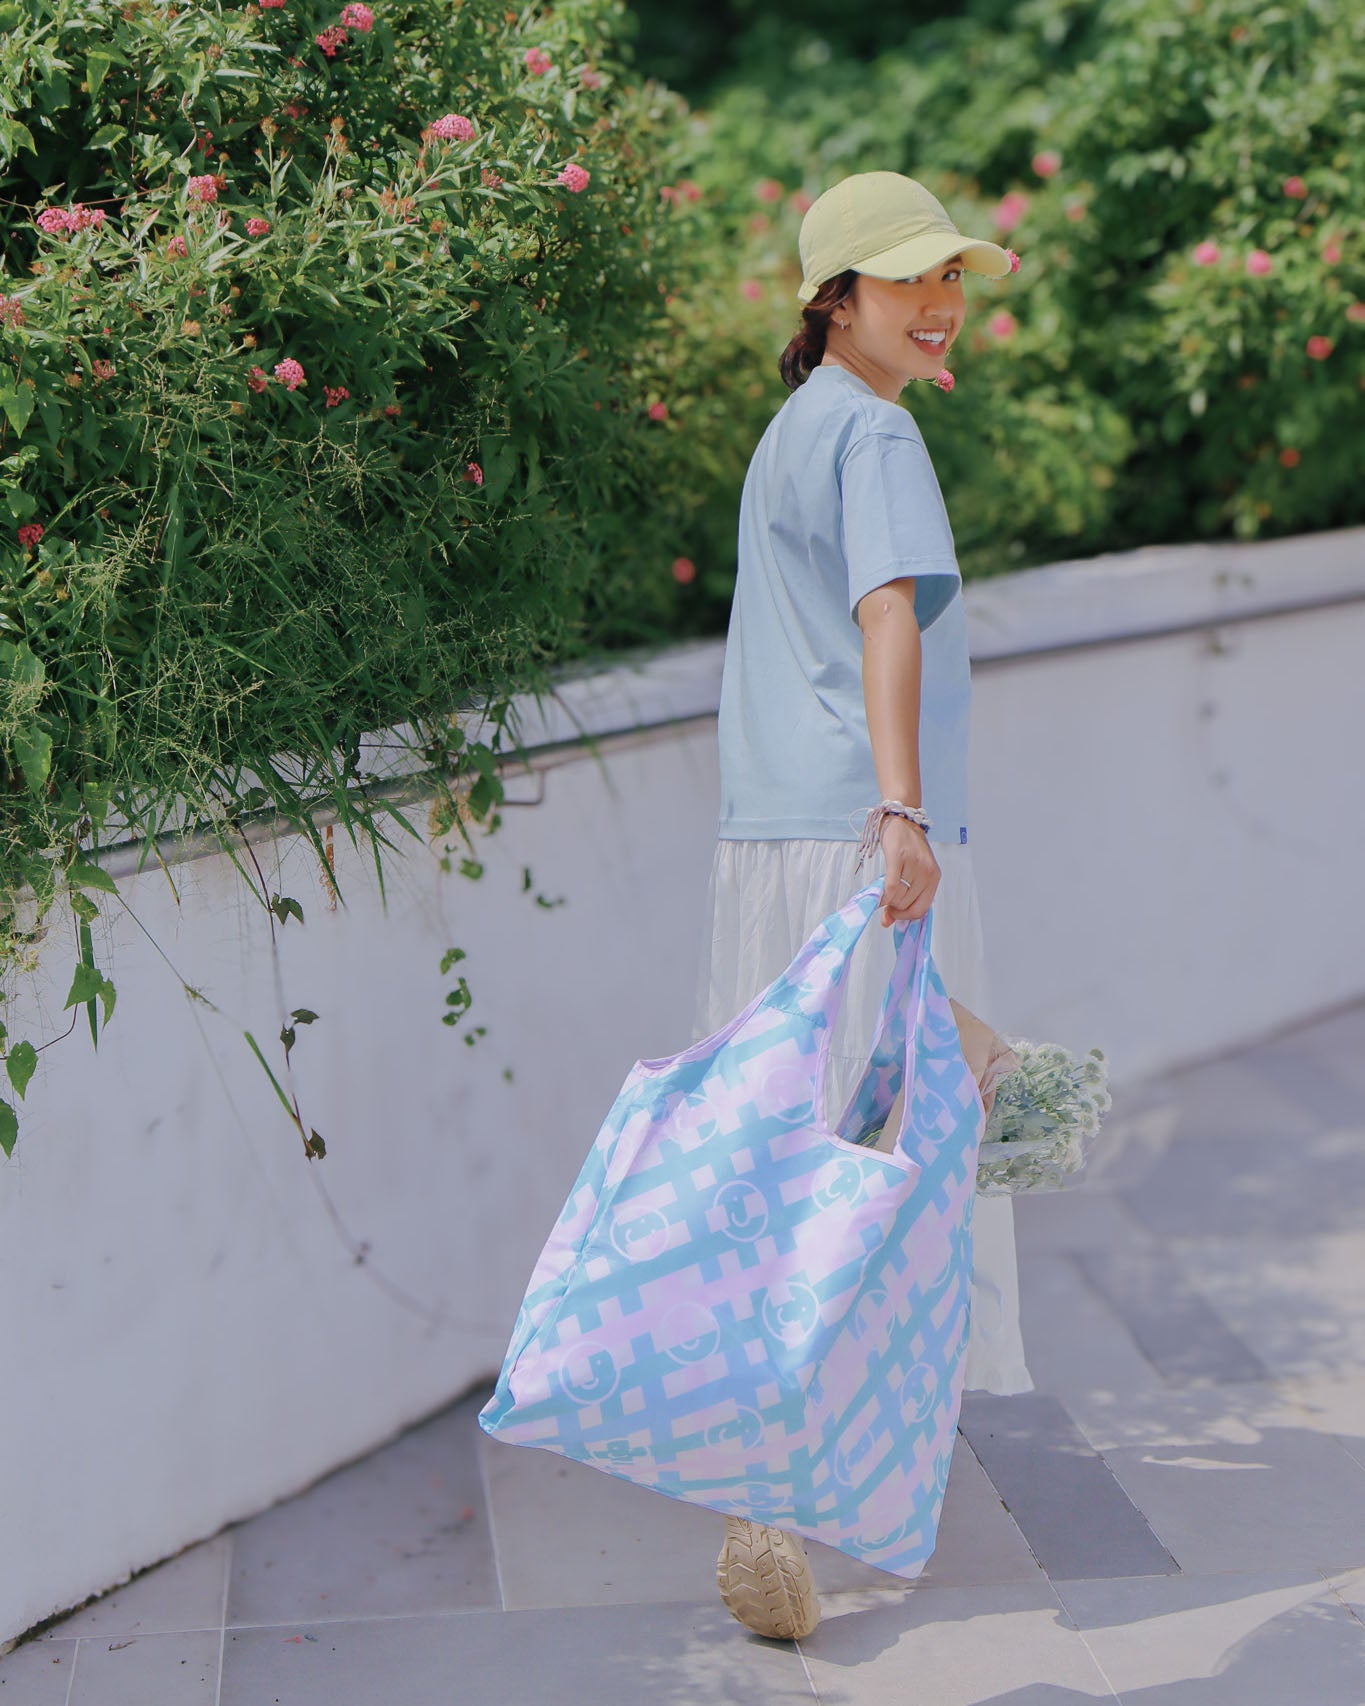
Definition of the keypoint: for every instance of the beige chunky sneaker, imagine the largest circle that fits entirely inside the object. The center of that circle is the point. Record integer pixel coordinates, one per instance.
(765, 1580)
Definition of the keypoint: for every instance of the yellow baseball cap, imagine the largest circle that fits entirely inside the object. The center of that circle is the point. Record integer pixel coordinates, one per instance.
(886, 225)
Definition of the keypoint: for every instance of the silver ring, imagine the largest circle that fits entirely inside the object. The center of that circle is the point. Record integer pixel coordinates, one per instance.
(904, 880)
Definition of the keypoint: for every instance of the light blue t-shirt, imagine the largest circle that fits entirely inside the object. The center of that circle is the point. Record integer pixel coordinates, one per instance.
(839, 498)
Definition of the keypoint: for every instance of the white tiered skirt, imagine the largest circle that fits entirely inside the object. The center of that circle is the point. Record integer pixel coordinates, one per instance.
(764, 900)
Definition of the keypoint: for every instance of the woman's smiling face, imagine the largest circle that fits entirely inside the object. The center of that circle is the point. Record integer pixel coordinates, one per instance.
(883, 314)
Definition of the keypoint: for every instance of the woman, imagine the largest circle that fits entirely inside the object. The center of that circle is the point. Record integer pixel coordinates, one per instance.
(846, 691)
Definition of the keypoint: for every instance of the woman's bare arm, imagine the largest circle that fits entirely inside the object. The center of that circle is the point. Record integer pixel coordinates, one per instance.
(892, 662)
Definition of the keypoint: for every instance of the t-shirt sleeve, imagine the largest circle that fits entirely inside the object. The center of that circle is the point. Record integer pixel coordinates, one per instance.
(893, 522)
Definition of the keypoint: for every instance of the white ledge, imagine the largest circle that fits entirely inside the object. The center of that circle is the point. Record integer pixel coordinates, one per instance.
(1122, 595)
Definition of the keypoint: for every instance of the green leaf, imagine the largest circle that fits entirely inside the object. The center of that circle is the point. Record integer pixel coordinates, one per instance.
(17, 402)
(96, 67)
(283, 905)
(33, 750)
(107, 135)
(84, 875)
(20, 1063)
(88, 983)
(84, 908)
(9, 1127)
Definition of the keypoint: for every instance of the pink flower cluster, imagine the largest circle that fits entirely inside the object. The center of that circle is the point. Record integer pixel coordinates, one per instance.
(258, 380)
(270, 5)
(102, 370)
(1002, 325)
(1014, 260)
(289, 373)
(944, 380)
(330, 39)
(573, 177)
(203, 188)
(11, 314)
(454, 127)
(473, 473)
(58, 220)
(335, 394)
(536, 62)
(176, 246)
(658, 411)
(357, 17)
(257, 227)
(1045, 163)
(589, 78)
(684, 570)
(31, 534)
(1009, 210)
(490, 180)
(686, 189)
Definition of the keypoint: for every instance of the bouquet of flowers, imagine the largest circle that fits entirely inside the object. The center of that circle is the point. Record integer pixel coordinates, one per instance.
(1043, 1108)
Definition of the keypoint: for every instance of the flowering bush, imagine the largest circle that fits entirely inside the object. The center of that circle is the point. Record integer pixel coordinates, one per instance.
(327, 334)
(1181, 354)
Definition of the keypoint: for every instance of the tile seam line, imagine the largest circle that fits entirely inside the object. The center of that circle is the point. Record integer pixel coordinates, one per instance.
(1070, 1622)
(1337, 1594)
(231, 1551)
(71, 1680)
(481, 1461)
(810, 1680)
(511, 1611)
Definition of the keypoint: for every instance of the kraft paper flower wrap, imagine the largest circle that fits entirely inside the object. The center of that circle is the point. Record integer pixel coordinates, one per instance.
(1043, 1108)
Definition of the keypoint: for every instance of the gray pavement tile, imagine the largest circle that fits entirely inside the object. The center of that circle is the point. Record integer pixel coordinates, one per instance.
(1073, 1338)
(148, 1670)
(1314, 1081)
(1333, 1404)
(1267, 1144)
(568, 1534)
(1007, 1645)
(186, 1592)
(1349, 1587)
(1338, 1041)
(37, 1673)
(1173, 1325)
(1050, 1223)
(668, 1655)
(1263, 1639)
(1074, 1514)
(1228, 1475)
(403, 1530)
(1297, 1302)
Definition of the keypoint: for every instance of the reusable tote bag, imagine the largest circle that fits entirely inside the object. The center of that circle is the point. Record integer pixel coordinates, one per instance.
(744, 1309)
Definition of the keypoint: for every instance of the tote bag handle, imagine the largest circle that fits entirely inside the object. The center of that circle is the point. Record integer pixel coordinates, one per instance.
(817, 979)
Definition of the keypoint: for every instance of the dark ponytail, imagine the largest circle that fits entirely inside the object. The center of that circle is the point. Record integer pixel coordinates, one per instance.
(807, 349)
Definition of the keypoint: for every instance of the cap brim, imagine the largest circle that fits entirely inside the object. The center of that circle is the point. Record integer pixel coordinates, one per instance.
(907, 259)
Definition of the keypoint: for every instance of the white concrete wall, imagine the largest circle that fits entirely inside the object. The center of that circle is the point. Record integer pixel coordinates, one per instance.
(1166, 822)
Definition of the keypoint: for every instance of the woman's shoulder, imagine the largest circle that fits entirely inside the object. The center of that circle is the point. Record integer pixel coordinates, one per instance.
(856, 411)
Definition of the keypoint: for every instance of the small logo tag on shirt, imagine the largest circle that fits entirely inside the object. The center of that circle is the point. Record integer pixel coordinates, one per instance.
(962, 835)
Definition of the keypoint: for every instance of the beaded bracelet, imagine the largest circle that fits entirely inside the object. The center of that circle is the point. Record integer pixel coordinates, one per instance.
(877, 815)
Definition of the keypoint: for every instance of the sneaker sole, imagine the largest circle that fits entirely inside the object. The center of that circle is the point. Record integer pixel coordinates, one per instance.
(765, 1580)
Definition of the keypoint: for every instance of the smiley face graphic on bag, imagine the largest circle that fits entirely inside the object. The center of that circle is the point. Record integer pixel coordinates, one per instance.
(588, 1372)
(743, 1210)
